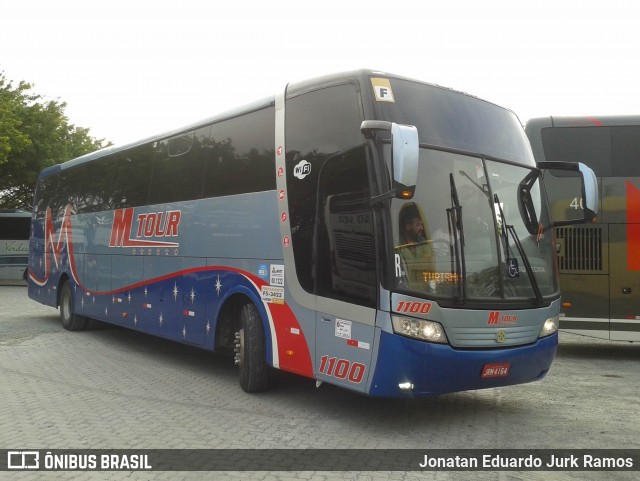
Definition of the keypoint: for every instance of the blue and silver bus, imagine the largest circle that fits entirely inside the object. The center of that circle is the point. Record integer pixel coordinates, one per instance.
(15, 225)
(362, 229)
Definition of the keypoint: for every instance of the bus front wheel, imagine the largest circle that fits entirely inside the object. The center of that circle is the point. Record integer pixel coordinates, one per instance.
(251, 351)
(70, 320)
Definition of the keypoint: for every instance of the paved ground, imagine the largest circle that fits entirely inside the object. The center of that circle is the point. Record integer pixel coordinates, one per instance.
(113, 388)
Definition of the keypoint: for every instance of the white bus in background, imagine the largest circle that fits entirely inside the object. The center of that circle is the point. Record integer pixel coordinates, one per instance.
(15, 226)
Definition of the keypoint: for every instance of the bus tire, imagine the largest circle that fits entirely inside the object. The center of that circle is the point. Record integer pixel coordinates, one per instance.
(70, 320)
(252, 351)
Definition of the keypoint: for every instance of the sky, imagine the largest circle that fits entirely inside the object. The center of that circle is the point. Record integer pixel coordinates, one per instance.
(128, 69)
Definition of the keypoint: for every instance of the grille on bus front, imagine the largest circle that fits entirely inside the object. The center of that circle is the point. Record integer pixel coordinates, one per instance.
(580, 248)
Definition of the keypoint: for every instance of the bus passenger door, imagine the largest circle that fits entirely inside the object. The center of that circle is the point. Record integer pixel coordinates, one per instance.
(331, 226)
(345, 272)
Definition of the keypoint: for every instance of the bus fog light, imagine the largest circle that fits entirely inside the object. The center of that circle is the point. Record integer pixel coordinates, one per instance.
(405, 386)
(419, 329)
(550, 326)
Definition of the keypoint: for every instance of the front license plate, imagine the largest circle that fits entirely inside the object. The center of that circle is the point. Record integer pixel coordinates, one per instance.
(495, 370)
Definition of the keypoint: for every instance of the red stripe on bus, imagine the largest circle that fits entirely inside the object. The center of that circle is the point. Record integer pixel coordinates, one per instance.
(633, 227)
(594, 121)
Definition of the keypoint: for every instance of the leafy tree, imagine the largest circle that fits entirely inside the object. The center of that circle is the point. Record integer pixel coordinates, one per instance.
(34, 134)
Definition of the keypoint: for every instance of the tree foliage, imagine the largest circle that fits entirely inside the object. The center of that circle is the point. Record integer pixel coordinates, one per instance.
(34, 134)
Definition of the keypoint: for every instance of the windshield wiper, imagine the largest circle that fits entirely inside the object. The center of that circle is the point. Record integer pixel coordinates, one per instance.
(509, 229)
(456, 230)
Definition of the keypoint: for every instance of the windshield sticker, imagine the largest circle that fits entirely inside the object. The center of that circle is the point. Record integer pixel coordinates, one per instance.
(512, 268)
(382, 89)
(302, 169)
(399, 271)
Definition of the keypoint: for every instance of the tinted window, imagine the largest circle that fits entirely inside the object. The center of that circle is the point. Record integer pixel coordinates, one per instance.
(625, 151)
(451, 119)
(319, 125)
(609, 151)
(346, 259)
(233, 156)
(131, 176)
(589, 145)
(15, 228)
(239, 156)
(178, 167)
(45, 196)
(90, 187)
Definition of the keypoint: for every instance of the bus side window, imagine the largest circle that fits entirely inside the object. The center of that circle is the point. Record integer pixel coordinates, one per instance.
(238, 156)
(131, 177)
(177, 167)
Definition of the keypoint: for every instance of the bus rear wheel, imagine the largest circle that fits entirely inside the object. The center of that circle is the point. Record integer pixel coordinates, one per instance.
(251, 351)
(70, 320)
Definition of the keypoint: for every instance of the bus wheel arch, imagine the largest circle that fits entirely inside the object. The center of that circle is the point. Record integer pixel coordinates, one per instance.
(71, 321)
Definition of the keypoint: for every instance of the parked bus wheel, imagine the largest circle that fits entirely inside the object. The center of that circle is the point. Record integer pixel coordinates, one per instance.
(251, 351)
(70, 320)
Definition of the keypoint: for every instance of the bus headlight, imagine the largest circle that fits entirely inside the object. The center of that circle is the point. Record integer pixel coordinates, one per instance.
(419, 329)
(550, 326)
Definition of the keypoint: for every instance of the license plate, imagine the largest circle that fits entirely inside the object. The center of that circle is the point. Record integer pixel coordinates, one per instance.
(495, 370)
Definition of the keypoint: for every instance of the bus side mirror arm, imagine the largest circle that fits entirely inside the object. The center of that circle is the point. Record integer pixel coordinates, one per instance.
(405, 149)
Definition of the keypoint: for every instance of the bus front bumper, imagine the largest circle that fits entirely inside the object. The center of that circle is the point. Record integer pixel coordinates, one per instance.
(408, 367)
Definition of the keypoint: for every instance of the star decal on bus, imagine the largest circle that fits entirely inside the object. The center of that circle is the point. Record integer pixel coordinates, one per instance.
(218, 285)
(175, 291)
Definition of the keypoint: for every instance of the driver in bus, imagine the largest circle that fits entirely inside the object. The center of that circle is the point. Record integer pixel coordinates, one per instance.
(413, 241)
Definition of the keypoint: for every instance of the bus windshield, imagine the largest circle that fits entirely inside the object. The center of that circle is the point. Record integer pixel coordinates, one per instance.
(469, 235)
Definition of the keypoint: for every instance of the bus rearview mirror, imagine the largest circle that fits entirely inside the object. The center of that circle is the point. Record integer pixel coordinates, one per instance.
(405, 149)
(588, 198)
